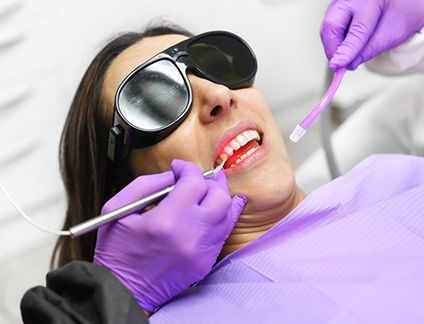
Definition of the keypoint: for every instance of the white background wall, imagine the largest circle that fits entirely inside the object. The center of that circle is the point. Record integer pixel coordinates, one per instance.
(45, 46)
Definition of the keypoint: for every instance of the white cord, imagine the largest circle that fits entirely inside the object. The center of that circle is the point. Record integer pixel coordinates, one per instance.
(64, 233)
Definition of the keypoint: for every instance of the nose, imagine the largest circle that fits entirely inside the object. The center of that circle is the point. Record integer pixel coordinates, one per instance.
(211, 100)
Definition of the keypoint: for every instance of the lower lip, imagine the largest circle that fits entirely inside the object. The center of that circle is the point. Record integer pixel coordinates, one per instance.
(251, 160)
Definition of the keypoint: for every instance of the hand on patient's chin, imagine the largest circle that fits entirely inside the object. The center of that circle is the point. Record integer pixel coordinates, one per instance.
(160, 253)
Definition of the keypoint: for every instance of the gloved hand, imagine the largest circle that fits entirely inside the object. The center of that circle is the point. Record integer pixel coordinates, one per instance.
(355, 31)
(160, 253)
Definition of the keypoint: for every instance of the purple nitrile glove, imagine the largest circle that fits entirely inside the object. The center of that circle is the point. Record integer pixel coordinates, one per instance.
(161, 252)
(355, 31)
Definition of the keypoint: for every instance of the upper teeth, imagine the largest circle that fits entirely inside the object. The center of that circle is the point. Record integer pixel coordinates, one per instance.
(246, 136)
(237, 142)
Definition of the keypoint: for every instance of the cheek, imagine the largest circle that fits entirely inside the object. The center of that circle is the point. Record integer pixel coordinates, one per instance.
(256, 101)
(158, 158)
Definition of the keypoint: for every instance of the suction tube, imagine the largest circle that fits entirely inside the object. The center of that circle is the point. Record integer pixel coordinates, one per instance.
(300, 130)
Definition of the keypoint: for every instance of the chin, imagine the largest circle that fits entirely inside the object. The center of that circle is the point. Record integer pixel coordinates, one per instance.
(264, 189)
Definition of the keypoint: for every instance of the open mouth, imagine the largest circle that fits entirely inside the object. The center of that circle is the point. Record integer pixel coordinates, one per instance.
(239, 148)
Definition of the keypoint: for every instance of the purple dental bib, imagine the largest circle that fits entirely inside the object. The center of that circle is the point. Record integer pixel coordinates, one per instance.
(351, 252)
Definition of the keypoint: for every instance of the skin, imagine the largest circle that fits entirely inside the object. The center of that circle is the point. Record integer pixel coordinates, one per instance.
(217, 115)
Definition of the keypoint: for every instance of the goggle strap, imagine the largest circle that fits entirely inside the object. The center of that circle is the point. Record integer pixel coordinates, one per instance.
(117, 150)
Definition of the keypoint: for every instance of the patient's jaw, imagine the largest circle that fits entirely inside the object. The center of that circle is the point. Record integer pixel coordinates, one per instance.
(257, 165)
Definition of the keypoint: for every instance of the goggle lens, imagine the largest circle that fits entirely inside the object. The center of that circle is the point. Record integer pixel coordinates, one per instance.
(223, 57)
(155, 97)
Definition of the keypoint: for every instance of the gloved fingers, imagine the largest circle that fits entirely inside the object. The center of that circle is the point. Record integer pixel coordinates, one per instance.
(172, 212)
(217, 201)
(355, 24)
(387, 35)
(224, 210)
(191, 185)
(219, 180)
(139, 188)
(219, 232)
(359, 34)
(223, 230)
(333, 28)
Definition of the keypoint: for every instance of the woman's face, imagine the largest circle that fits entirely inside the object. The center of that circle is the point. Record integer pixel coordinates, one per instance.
(218, 116)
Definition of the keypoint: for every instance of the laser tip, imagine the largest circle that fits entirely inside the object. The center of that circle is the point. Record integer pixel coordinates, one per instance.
(220, 167)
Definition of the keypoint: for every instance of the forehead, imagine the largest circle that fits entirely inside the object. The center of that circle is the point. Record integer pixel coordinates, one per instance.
(132, 57)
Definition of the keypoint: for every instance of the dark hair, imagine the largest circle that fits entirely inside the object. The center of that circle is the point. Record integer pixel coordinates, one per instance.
(89, 177)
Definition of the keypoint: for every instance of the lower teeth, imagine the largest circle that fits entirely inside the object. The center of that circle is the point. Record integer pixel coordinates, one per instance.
(250, 152)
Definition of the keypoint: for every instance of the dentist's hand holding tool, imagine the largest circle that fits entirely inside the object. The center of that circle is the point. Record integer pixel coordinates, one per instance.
(355, 31)
(160, 253)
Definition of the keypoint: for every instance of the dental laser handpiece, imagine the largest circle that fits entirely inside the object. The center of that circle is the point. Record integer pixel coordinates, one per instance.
(136, 206)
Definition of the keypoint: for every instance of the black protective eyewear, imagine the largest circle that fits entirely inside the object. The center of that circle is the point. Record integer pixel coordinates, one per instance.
(156, 97)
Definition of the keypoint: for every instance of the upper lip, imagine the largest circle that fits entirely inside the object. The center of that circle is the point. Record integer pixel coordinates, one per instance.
(233, 132)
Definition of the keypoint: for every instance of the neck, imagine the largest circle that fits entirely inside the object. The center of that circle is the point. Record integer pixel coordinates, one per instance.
(251, 225)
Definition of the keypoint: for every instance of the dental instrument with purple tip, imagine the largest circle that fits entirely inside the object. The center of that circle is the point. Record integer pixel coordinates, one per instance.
(300, 129)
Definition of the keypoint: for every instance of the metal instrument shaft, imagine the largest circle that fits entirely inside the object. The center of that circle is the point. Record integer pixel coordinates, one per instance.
(135, 207)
